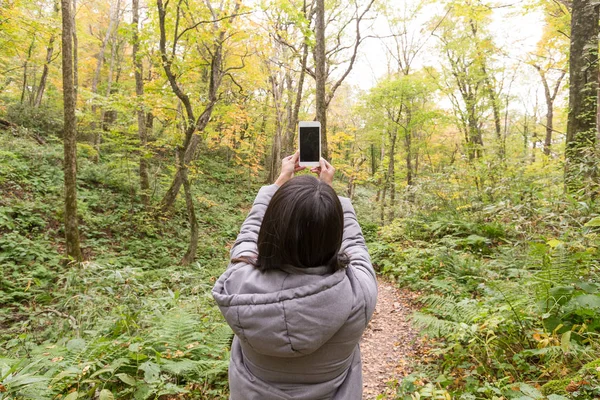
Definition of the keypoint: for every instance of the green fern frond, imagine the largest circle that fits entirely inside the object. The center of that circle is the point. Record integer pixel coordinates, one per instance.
(558, 269)
(449, 308)
(437, 327)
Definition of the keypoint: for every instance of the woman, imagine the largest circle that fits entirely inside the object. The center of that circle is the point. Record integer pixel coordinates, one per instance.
(298, 293)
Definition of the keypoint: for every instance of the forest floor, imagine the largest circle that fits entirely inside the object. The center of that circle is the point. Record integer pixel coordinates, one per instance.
(390, 346)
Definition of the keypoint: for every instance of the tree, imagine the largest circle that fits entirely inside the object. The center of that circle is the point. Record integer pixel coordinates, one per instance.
(287, 71)
(406, 41)
(583, 96)
(550, 61)
(550, 94)
(332, 48)
(325, 60)
(289, 28)
(113, 20)
(69, 136)
(216, 73)
(468, 49)
(139, 92)
(320, 74)
(399, 107)
(213, 58)
(49, 51)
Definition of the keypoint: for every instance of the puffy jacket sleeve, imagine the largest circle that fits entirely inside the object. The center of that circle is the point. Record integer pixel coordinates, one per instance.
(354, 245)
(245, 244)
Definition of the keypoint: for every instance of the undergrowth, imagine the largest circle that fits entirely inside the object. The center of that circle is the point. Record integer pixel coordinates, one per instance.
(129, 322)
(510, 292)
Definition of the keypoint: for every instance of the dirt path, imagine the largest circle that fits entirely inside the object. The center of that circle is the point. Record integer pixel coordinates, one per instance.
(390, 346)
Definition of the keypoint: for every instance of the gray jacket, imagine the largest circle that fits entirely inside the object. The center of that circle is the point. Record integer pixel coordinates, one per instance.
(296, 330)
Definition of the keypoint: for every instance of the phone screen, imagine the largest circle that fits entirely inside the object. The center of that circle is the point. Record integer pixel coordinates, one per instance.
(309, 143)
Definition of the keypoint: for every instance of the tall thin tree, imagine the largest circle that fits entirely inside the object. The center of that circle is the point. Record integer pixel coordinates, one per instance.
(69, 136)
(320, 73)
(583, 95)
(139, 91)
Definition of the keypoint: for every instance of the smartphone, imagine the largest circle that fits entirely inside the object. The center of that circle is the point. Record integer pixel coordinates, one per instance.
(309, 143)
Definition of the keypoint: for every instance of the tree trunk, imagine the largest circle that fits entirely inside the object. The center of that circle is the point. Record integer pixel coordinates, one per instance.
(277, 92)
(289, 112)
(113, 53)
(192, 139)
(320, 75)
(525, 134)
(275, 156)
(24, 88)
(69, 137)
(534, 144)
(141, 115)
(550, 97)
(190, 254)
(381, 158)
(75, 54)
(583, 95)
(290, 144)
(171, 194)
(49, 51)
(42, 86)
(108, 118)
(408, 149)
(392, 175)
(382, 199)
(96, 79)
(373, 161)
(351, 189)
(474, 139)
(496, 112)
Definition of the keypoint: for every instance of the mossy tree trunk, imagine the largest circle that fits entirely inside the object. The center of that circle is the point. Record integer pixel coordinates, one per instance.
(141, 115)
(69, 137)
(321, 74)
(583, 97)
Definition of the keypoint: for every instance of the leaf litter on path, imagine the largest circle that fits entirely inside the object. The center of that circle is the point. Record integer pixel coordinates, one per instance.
(390, 346)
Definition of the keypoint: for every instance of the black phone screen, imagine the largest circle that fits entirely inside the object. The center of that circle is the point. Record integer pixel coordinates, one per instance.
(309, 143)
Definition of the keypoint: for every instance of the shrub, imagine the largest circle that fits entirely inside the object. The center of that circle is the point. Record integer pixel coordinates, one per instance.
(45, 120)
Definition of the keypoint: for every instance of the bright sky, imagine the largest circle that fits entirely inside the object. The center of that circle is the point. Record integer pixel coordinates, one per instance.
(515, 31)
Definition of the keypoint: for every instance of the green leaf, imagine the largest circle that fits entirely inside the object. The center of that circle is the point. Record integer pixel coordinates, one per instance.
(554, 243)
(64, 374)
(134, 347)
(72, 396)
(530, 391)
(171, 389)
(106, 394)
(588, 287)
(126, 378)
(557, 397)
(142, 392)
(76, 345)
(562, 293)
(594, 222)
(151, 371)
(565, 341)
(588, 301)
(101, 371)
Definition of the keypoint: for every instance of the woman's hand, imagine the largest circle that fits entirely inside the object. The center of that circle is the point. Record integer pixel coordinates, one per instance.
(325, 171)
(289, 166)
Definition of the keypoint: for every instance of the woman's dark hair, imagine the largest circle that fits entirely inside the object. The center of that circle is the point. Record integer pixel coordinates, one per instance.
(302, 226)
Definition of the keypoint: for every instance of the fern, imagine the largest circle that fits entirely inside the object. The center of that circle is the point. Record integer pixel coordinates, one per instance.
(189, 346)
(557, 269)
(21, 380)
(439, 328)
(465, 310)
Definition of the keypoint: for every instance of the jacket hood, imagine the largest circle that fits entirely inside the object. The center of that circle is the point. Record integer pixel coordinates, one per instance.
(285, 313)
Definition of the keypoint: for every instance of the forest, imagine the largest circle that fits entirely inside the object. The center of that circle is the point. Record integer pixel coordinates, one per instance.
(135, 134)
